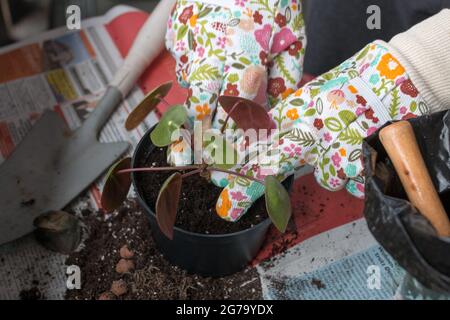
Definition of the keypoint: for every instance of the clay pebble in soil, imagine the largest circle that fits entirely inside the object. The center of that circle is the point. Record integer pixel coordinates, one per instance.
(126, 253)
(153, 277)
(124, 266)
(119, 287)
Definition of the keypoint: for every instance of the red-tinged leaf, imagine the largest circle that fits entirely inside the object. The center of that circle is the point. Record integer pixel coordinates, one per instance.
(246, 113)
(167, 204)
(147, 105)
(116, 186)
(278, 203)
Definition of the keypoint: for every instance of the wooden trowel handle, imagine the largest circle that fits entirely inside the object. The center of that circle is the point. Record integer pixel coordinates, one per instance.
(401, 145)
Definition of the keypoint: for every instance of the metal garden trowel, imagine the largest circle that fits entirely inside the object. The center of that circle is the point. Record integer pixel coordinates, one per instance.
(52, 165)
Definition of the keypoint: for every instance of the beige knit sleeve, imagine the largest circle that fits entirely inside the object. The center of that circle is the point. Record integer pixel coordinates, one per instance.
(424, 50)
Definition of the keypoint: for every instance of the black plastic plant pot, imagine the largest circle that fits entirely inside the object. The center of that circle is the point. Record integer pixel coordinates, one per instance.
(203, 254)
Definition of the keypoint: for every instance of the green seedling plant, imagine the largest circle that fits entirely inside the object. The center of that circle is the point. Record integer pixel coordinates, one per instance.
(245, 113)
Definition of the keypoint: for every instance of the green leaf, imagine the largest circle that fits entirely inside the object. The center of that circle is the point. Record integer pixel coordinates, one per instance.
(317, 83)
(314, 92)
(333, 124)
(319, 106)
(363, 53)
(328, 76)
(297, 102)
(332, 171)
(213, 98)
(218, 52)
(423, 108)
(244, 60)
(310, 112)
(194, 99)
(190, 40)
(233, 78)
(336, 145)
(355, 155)
(298, 22)
(347, 117)
(351, 136)
(182, 32)
(238, 66)
(204, 12)
(359, 179)
(147, 105)
(242, 182)
(413, 106)
(305, 139)
(167, 204)
(395, 104)
(278, 204)
(234, 22)
(116, 187)
(288, 14)
(353, 74)
(171, 121)
(205, 72)
(281, 66)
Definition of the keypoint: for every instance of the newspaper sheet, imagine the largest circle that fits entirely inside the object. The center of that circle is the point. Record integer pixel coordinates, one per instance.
(343, 263)
(66, 72)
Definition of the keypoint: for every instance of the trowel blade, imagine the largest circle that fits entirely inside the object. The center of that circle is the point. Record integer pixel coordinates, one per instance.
(39, 175)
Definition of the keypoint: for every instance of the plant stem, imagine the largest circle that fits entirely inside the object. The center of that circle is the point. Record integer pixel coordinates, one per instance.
(191, 173)
(157, 169)
(228, 117)
(195, 169)
(236, 174)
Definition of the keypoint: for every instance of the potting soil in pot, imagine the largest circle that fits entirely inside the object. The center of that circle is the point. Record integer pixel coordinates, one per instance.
(120, 256)
(196, 211)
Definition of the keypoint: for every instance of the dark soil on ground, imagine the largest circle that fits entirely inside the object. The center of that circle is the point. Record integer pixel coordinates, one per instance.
(196, 211)
(153, 277)
(31, 294)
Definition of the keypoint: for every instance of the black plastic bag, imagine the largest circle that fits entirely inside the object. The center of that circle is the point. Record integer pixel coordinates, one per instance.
(395, 223)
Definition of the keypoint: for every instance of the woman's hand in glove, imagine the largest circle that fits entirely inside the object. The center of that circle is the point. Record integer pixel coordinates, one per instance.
(252, 49)
(324, 123)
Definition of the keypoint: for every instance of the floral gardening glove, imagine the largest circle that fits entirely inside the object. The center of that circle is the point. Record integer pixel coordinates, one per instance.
(248, 48)
(324, 124)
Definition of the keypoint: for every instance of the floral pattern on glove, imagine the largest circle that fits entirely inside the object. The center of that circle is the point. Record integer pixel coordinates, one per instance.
(236, 50)
(324, 124)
